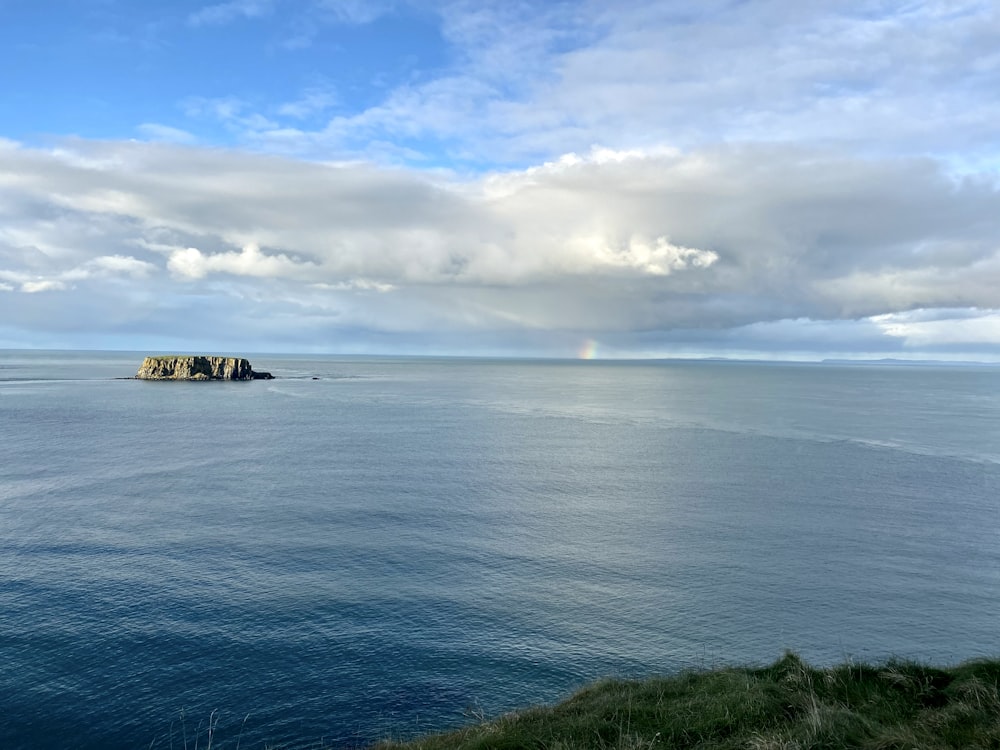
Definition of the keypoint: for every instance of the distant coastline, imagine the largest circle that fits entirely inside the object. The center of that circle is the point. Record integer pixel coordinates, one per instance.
(910, 362)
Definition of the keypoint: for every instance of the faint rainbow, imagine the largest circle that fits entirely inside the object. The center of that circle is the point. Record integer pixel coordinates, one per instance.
(588, 350)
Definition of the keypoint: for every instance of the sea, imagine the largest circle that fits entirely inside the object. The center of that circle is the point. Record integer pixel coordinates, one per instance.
(376, 547)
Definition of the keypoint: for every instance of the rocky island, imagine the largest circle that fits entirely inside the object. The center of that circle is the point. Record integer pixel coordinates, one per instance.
(174, 367)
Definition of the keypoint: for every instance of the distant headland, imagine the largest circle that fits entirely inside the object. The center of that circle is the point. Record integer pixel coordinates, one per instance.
(175, 367)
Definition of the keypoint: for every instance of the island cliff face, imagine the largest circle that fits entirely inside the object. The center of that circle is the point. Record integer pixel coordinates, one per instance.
(198, 368)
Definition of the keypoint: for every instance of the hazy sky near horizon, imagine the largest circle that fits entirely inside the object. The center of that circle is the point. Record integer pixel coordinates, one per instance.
(764, 178)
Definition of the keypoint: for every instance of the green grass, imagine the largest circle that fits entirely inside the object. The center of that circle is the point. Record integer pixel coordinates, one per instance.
(785, 706)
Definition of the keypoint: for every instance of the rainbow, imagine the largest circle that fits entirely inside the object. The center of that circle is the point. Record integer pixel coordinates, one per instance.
(588, 350)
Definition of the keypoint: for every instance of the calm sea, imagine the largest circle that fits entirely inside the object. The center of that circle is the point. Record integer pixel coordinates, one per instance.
(372, 547)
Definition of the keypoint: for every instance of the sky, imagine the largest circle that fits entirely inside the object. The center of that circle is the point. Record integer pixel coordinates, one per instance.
(661, 178)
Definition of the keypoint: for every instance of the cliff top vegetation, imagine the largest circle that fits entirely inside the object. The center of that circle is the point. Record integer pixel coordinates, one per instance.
(785, 706)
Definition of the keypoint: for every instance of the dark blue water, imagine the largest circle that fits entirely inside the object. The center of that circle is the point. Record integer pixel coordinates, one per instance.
(401, 542)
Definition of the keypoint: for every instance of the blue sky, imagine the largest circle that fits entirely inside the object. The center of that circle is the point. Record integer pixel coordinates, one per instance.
(761, 178)
(116, 69)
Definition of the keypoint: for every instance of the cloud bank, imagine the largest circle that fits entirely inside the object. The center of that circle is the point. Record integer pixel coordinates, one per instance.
(652, 252)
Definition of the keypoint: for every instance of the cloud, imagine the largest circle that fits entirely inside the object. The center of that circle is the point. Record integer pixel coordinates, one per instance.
(113, 265)
(250, 261)
(108, 268)
(927, 329)
(223, 13)
(311, 102)
(562, 76)
(629, 246)
(354, 11)
(658, 257)
(236, 115)
(48, 285)
(156, 132)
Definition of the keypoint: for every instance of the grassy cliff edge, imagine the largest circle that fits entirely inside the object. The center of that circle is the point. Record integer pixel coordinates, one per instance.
(785, 706)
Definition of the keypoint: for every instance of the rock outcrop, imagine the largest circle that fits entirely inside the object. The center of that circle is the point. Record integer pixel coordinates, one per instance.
(198, 368)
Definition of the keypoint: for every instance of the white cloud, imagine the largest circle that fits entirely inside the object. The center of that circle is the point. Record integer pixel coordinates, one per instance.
(55, 279)
(565, 75)
(222, 13)
(311, 102)
(235, 114)
(922, 329)
(250, 261)
(354, 11)
(156, 132)
(657, 258)
(356, 284)
(122, 265)
(48, 285)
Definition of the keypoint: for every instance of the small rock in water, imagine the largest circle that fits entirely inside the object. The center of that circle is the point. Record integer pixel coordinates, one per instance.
(198, 368)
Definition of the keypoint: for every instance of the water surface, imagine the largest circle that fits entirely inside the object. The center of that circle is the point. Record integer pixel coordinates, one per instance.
(398, 541)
